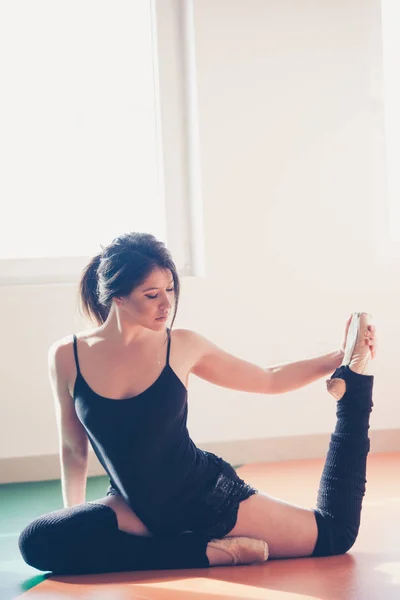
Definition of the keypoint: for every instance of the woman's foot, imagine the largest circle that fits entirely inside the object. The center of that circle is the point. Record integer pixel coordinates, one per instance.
(237, 550)
(357, 354)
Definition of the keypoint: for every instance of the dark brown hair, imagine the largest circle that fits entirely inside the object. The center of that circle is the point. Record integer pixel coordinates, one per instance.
(122, 266)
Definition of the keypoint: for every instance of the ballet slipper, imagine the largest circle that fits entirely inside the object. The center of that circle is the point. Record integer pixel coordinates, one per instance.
(242, 550)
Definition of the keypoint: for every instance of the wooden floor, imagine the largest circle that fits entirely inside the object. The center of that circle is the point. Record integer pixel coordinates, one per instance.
(371, 571)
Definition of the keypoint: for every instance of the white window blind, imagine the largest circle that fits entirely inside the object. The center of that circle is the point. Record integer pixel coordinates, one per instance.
(79, 147)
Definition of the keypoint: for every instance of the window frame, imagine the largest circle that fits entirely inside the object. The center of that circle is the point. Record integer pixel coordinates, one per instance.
(387, 248)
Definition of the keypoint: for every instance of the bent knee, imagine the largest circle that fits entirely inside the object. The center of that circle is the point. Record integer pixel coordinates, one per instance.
(57, 541)
(334, 536)
(342, 541)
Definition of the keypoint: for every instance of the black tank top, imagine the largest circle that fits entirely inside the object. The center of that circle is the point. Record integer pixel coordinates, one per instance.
(144, 446)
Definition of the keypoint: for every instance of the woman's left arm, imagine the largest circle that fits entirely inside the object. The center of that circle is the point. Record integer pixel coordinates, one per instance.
(221, 368)
(224, 369)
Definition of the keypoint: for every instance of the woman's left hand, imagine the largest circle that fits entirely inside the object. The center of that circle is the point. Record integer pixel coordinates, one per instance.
(370, 338)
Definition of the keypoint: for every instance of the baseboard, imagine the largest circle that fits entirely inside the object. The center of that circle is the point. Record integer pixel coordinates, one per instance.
(236, 452)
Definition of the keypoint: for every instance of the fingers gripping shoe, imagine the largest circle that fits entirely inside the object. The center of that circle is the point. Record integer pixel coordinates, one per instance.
(357, 353)
(242, 550)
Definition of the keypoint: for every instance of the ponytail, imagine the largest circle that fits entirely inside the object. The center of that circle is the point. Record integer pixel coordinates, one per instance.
(90, 306)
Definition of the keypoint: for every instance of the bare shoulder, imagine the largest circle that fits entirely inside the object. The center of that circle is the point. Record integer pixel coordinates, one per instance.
(191, 344)
(61, 355)
(188, 336)
(58, 363)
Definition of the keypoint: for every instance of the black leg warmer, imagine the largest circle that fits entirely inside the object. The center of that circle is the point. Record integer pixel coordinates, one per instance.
(342, 484)
(86, 539)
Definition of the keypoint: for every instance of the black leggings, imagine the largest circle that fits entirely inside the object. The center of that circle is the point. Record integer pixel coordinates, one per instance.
(86, 539)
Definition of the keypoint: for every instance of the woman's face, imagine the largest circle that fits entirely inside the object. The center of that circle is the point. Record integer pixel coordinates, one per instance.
(150, 303)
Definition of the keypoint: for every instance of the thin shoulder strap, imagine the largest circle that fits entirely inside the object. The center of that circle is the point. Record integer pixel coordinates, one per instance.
(169, 344)
(76, 354)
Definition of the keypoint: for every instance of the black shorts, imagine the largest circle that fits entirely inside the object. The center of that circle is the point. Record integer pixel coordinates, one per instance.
(214, 513)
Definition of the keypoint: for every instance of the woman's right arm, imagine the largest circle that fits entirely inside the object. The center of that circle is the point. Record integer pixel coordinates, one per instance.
(73, 440)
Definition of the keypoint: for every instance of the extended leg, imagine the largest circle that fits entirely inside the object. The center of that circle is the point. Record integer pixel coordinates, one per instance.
(292, 531)
(342, 485)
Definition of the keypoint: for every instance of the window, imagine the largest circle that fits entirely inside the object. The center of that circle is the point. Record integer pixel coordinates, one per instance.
(81, 146)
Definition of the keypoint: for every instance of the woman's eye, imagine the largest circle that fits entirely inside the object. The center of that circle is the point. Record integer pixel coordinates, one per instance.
(156, 296)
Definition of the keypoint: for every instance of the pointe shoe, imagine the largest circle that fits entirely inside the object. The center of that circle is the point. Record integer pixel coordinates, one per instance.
(243, 550)
(357, 353)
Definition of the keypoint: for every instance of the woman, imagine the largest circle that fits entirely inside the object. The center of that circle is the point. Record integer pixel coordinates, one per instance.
(122, 386)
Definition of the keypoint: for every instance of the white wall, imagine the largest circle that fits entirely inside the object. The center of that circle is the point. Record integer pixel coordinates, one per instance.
(290, 122)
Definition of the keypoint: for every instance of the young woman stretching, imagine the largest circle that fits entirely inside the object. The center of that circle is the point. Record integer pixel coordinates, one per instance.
(122, 386)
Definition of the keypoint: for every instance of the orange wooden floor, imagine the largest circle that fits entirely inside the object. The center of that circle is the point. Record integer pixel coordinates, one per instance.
(371, 571)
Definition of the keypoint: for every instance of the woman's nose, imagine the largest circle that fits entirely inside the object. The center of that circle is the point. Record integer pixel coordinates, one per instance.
(165, 304)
